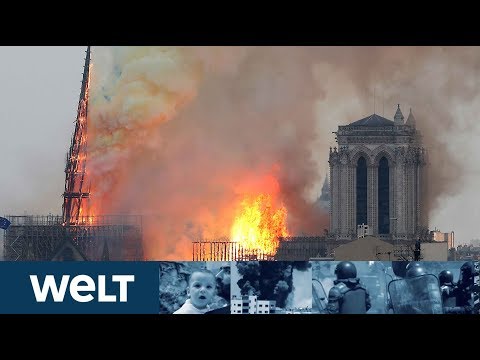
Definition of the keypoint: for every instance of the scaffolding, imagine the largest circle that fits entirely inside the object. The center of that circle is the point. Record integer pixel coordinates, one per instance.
(75, 190)
(36, 238)
(294, 248)
(101, 237)
(226, 250)
(32, 237)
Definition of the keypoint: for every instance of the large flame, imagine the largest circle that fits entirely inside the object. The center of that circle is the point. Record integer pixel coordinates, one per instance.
(259, 224)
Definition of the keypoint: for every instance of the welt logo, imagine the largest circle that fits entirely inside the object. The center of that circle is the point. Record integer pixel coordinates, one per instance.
(79, 287)
(82, 288)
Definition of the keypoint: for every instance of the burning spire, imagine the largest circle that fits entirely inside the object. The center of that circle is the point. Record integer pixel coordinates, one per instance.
(75, 167)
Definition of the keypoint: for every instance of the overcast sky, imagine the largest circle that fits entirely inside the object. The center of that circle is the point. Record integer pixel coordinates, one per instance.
(39, 89)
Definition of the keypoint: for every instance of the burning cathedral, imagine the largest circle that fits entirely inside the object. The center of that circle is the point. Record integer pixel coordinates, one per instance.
(376, 186)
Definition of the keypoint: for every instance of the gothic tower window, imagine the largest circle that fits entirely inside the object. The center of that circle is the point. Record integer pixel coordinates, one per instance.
(383, 197)
(362, 191)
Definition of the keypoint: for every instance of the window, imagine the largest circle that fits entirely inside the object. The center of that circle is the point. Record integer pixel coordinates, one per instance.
(362, 191)
(383, 197)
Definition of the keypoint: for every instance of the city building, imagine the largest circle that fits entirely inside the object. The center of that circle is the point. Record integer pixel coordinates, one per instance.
(449, 238)
(464, 252)
(249, 304)
(365, 248)
(434, 251)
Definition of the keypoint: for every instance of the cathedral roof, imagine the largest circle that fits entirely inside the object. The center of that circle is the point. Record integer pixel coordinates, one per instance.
(372, 120)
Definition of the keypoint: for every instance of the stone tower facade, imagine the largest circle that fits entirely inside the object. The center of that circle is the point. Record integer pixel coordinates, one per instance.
(378, 178)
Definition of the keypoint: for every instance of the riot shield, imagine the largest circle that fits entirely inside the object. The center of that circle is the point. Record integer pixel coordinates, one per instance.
(319, 295)
(417, 295)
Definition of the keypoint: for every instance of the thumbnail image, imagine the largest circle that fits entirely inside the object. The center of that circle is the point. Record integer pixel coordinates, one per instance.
(431, 287)
(399, 287)
(201, 287)
(271, 287)
(345, 287)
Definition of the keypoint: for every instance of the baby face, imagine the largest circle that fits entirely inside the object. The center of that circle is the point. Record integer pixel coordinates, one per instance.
(201, 289)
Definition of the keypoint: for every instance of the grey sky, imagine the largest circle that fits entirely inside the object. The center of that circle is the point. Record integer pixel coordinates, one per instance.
(39, 88)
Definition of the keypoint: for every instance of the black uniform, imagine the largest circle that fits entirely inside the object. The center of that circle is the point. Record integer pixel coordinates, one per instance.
(448, 290)
(348, 295)
(464, 290)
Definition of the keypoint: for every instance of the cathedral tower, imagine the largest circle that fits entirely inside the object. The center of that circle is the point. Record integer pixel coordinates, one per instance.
(378, 178)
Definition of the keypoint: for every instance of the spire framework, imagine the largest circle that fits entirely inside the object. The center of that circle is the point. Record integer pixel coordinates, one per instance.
(76, 192)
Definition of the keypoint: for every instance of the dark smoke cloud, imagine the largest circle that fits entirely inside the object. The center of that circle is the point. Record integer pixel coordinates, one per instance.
(269, 280)
(435, 82)
(260, 119)
(272, 111)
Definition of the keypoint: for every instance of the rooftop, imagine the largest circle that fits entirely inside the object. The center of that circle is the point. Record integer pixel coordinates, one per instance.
(372, 120)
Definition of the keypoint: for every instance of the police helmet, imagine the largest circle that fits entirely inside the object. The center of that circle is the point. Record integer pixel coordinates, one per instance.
(400, 268)
(413, 264)
(445, 277)
(345, 270)
(467, 269)
(414, 271)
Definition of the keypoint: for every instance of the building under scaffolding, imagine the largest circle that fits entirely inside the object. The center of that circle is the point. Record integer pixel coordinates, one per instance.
(225, 250)
(289, 249)
(294, 248)
(43, 238)
(40, 238)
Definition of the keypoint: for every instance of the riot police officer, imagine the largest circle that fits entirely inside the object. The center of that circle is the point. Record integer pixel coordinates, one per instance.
(415, 269)
(446, 278)
(464, 297)
(448, 290)
(418, 293)
(348, 295)
(417, 287)
(414, 264)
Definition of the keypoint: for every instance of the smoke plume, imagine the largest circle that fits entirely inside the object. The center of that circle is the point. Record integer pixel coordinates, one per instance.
(270, 280)
(180, 134)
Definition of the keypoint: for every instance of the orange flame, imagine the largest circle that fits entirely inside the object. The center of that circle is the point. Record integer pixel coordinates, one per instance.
(88, 217)
(258, 224)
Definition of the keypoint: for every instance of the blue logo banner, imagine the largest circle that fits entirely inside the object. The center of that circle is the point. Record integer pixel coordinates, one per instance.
(79, 287)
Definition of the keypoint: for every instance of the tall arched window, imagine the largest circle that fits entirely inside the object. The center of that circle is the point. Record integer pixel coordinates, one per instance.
(383, 197)
(362, 191)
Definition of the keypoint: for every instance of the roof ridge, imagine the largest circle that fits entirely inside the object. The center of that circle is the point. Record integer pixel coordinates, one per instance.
(373, 120)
